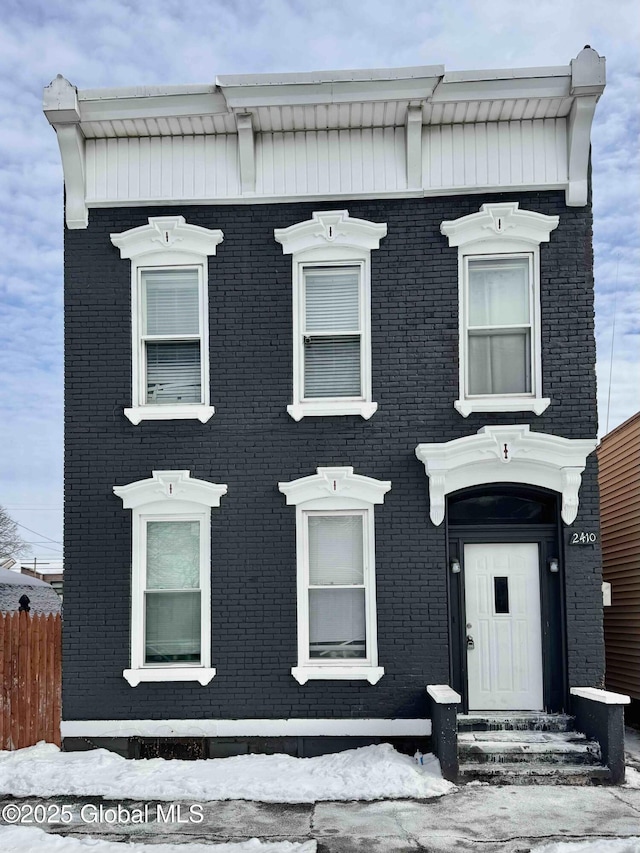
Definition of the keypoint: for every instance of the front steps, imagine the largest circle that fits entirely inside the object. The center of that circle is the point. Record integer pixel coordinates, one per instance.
(527, 749)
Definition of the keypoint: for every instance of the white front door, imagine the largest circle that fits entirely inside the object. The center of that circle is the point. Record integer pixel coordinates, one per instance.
(503, 630)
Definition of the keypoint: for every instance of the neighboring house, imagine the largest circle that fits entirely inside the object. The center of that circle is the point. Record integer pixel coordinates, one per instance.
(281, 289)
(52, 576)
(42, 597)
(619, 478)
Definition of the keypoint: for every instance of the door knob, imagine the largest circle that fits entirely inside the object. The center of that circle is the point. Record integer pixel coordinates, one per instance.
(470, 643)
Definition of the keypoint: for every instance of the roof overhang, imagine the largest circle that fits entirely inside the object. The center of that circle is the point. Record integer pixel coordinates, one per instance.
(251, 104)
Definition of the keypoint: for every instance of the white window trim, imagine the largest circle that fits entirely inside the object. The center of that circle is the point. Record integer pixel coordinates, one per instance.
(500, 230)
(167, 241)
(331, 238)
(169, 496)
(331, 491)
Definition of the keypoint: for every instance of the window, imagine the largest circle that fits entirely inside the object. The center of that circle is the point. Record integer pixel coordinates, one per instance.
(331, 313)
(331, 333)
(337, 634)
(171, 335)
(171, 564)
(498, 325)
(499, 308)
(170, 347)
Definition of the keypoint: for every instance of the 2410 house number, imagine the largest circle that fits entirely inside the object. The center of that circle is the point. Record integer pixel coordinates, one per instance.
(583, 538)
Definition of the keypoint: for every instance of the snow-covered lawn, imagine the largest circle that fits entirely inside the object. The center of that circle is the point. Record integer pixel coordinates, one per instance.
(369, 773)
(22, 839)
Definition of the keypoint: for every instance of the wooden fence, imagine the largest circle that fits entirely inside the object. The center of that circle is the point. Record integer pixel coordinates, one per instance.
(30, 679)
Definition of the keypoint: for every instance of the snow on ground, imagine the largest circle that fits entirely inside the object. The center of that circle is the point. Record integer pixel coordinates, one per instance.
(368, 773)
(632, 745)
(22, 839)
(602, 845)
(632, 778)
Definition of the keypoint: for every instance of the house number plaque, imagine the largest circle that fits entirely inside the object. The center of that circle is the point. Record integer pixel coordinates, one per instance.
(582, 538)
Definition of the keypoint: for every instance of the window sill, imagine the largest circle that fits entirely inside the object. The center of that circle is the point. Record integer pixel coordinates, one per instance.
(372, 674)
(169, 413)
(169, 673)
(330, 409)
(502, 404)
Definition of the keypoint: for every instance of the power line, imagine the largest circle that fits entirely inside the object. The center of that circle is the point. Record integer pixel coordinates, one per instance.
(36, 508)
(37, 533)
(613, 337)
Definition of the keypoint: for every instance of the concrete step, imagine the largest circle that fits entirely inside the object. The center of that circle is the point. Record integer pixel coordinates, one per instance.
(534, 774)
(517, 721)
(510, 747)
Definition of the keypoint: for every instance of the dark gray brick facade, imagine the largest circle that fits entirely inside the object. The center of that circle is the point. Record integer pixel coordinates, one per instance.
(251, 443)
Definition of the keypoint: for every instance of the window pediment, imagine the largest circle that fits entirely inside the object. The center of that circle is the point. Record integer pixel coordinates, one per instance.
(331, 482)
(501, 227)
(170, 486)
(330, 228)
(169, 237)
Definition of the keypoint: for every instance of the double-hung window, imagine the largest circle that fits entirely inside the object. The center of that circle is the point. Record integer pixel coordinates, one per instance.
(337, 634)
(332, 333)
(500, 365)
(331, 277)
(172, 332)
(172, 612)
(499, 315)
(169, 322)
(338, 583)
(170, 577)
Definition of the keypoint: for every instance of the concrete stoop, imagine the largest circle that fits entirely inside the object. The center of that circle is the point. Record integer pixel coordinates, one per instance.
(527, 749)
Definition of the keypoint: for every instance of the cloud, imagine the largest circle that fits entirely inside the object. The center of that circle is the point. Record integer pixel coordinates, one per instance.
(123, 43)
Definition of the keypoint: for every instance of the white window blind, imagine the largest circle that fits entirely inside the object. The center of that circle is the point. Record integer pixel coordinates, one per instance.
(335, 550)
(172, 302)
(173, 372)
(337, 623)
(172, 594)
(499, 326)
(332, 333)
(172, 336)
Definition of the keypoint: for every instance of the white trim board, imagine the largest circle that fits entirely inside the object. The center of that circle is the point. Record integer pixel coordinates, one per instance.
(247, 728)
(337, 196)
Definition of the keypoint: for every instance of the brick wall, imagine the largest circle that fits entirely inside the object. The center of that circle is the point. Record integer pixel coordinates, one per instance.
(251, 443)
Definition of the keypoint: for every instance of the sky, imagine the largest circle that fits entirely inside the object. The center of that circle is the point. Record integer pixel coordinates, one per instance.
(109, 43)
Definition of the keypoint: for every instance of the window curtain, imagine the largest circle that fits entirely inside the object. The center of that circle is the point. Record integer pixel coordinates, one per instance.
(172, 597)
(336, 616)
(499, 336)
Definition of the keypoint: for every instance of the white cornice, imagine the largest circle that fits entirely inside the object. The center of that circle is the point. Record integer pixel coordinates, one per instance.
(330, 228)
(503, 224)
(170, 235)
(330, 482)
(170, 486)
(248, 106)
(506, 454)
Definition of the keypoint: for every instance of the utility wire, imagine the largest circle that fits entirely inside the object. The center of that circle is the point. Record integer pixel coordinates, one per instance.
(613, 337)
(37, 533)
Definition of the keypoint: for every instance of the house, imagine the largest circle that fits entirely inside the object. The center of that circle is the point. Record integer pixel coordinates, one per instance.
(330, 404)
(619, 479)
(53, 575)
(42, 597)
